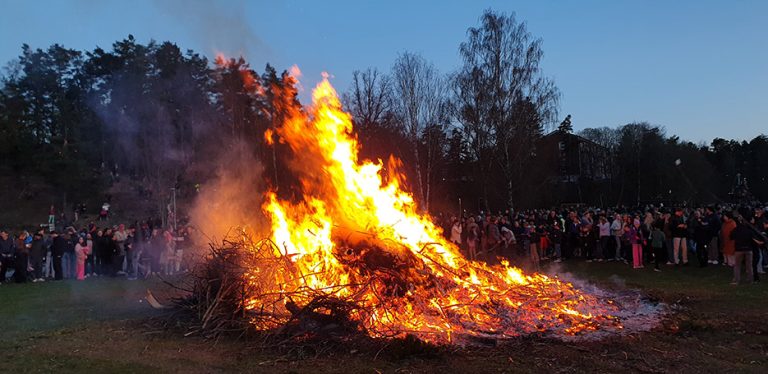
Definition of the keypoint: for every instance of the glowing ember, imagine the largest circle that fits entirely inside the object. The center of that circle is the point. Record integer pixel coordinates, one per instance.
(356, 236)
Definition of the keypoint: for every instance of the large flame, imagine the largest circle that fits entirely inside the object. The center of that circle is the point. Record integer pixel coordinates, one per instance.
(356, 235)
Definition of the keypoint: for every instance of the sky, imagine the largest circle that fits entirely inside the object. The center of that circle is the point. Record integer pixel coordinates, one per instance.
(699, 68)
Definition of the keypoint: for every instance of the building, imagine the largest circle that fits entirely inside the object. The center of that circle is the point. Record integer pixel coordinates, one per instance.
(580, 170)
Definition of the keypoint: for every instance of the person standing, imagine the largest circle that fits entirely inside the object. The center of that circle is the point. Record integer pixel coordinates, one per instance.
(90, 264)
(713, 226)
(657, 243)
(617, 230)
(169, 249)
(472, 237)
(604, 235)
(556, 238)
(71, 262)
(455, 232)
(636, 238)
(729, 247)
(52, 218)
(21, 260)
(646, 228)
(679, 229)
(120, 236)
(745, 240)
(110, 253)
(99, 254)
(667, 228)
(758, 224)
(762, 226)
(58, 249)
(533, 248)
(36, 255)
(571, 246)
(701, 238)
(7, 251)
(48, 265)
(132, 254)
(81, 252)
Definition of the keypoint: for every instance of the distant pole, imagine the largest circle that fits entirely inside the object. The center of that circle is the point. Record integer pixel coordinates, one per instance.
(174, 207)
(461, 212)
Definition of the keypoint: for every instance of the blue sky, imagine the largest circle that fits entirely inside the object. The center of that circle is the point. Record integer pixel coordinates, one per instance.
(698, 68)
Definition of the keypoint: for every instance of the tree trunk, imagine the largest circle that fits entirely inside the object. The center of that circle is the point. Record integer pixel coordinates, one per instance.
(510, 194)
(419, 179)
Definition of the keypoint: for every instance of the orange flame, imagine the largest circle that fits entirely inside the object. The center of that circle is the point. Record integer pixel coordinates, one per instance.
(356, 234)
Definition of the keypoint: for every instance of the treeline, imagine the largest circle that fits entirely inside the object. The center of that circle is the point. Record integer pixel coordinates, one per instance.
(152, 113)
(650, 166)
(166, 118)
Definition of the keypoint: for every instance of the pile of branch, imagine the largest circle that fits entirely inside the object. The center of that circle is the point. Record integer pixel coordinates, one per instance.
(257, 289)
(220, 287)
(215, 298)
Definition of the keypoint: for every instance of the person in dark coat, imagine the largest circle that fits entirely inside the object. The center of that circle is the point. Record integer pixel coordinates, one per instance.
(109, 251)
(7, 251)
(23, 246)
(702, 237)
(99, 266)
(746, 239)
(58, 248)
(36, 255)
(68, 258)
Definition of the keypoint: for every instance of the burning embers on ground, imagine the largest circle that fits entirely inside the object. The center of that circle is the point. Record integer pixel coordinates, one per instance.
(355, 255)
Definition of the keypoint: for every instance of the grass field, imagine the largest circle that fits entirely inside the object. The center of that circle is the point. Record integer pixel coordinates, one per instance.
(103, 325)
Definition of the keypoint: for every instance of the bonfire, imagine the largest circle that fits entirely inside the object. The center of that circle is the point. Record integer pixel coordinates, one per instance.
(354, 254)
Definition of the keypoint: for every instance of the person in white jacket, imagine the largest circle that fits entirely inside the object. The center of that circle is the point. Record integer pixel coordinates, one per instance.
(456, 231)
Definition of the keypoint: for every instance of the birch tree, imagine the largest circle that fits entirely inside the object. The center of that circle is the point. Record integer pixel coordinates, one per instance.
(502, 100)
(419, 102)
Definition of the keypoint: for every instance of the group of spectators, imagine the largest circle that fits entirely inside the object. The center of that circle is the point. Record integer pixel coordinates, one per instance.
(650, 235)
(137, 251)
(715, 235)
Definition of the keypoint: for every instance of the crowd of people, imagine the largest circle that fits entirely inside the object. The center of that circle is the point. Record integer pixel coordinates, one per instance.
(659, 236)
(643, 236)
(137, 251)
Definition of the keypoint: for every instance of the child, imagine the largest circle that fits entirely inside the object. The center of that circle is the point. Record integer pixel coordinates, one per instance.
(82, 250)
(657, 243)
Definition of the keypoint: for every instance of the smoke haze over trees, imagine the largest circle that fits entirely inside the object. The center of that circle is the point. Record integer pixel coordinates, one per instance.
(166, 118)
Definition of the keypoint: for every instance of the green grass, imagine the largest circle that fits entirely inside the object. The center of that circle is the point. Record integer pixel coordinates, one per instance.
(709, 287)
(44, 306)
(98, 325)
